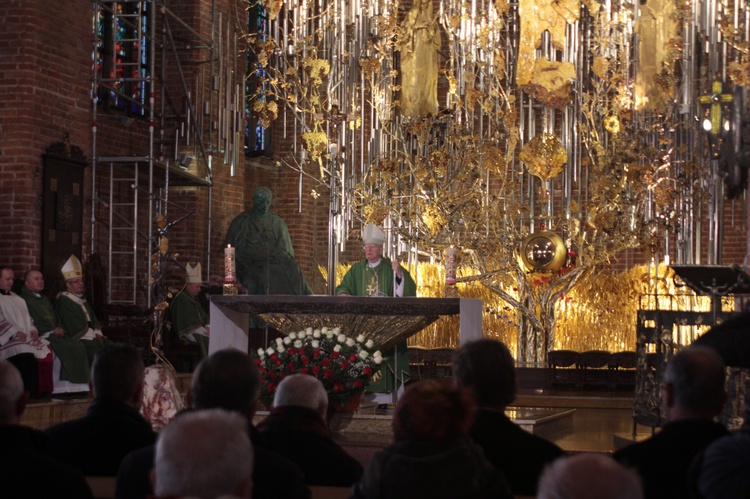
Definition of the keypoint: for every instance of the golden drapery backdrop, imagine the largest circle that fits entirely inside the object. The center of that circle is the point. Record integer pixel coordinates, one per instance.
(599, 313)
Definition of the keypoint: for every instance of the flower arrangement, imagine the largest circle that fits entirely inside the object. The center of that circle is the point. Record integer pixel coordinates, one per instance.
(344, 365)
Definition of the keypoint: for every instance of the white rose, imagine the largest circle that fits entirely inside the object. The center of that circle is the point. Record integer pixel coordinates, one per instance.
(309, 330)
(329, 335)
(298, 344)
(316, 334)
(363, 354)
(324, 329)
(282, 349)
(270, 351)
(378, 360)
(301, 335)
(279, 341)
(370, 344)
(349, 342)
(336, 330)
(293, 336)
(377, 355)
(287, 340)
(361, 338)
(315, 343)
(341, 338)
(337, 348)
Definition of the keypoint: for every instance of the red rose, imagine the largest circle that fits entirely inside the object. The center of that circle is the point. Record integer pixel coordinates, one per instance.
(316, 370)
(338, 388)
(277, 363)
(291, 351)
(258, 361)
(316, 353)
(271, 374)
(304, 370)
(274, 356)
(271, 387)
(305, 360)
(290, 366)
(326, 362)
(357, 384)
(335, 355)
(352, 358)
(327, 373)
(367, 371)
(344, 364)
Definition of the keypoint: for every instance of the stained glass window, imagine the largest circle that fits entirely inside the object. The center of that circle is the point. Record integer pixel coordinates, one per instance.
(257, 138)
(122, 56)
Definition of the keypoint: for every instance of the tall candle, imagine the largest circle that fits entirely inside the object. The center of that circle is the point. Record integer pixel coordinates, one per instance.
(451, 263)
(229, 264)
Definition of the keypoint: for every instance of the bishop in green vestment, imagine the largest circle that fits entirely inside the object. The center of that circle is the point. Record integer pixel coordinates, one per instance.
(72, 354)
(189, 319)
(379, 276)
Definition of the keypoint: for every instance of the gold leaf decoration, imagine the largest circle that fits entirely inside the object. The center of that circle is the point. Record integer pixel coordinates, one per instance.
(544, 155)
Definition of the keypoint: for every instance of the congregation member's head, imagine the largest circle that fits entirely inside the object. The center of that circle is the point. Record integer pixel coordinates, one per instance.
(204, 454)
(12, 396)
(589, 476)
(693, 384)
(72, 272)
(486, 369)
(432, 410)
(34, 280)
(724, 469)
(302, 390)
(228, 379)
(118, 373)
(7, 276)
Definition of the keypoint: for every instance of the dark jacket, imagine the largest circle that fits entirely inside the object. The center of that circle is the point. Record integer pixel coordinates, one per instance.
(664, 459)
(27, 471)
(97, 443)
(449, 469)
(301, 435)
(520, 455)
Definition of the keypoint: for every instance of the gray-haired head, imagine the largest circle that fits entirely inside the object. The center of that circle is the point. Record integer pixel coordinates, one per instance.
(205, 454)
(589, 476)
(302, 390)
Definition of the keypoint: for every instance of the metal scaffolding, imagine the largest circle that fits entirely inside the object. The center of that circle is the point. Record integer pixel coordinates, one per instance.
(144, 54)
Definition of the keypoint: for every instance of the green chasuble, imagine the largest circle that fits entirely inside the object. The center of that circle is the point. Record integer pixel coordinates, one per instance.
(72, 354)
(76, 323)
(363, 280)
(186, 313)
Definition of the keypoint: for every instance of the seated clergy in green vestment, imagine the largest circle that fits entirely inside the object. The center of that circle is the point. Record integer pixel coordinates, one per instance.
(188, 316)
(76, 314)
(379, 276)
(74, 365)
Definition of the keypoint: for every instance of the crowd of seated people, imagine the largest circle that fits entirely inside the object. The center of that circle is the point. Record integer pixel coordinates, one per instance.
(451, 439)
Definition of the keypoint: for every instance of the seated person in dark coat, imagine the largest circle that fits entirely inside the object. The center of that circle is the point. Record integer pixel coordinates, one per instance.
(229, 379)
(26, 470)
(113, 426)
(486, 369)
(433, 456)
(296, 429)
(692, 396)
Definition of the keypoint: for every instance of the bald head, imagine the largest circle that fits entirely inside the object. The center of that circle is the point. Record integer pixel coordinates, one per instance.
(12, 396)
(302, 390)
(589, 476)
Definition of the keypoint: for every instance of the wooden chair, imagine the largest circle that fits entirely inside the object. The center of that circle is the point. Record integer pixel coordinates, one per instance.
(623, 368)
(563, 368)
(594, 365)
(420, 365)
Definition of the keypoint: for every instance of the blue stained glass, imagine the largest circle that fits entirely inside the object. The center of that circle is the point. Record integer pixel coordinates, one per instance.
(257, 138)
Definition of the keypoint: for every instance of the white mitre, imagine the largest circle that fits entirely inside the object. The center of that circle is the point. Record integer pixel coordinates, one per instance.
(372, 234)
(72, 268)
(194, 274)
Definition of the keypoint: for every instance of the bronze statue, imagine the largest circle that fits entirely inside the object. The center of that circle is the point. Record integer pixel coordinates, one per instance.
(265, 257)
